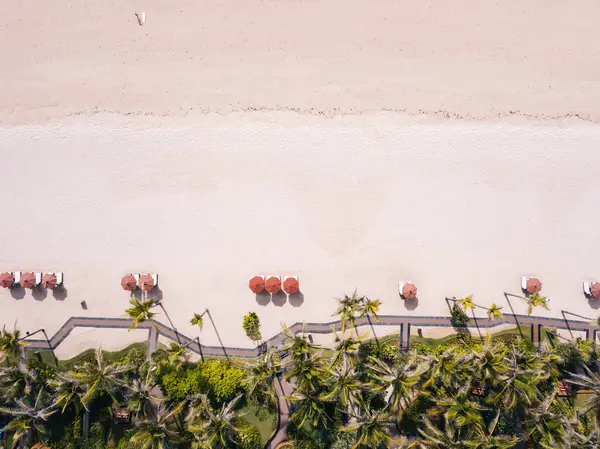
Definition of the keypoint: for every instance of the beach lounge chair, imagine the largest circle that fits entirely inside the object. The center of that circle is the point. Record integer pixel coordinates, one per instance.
(155, 279)
(59, 278)
(17, 276)
(38, 279)
(136, 276)
(524, 280)
(400, 285)
(587, 288)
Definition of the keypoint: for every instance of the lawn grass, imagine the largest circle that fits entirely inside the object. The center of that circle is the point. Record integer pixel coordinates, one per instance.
(109, 356)
(266, 427)
(435, 342)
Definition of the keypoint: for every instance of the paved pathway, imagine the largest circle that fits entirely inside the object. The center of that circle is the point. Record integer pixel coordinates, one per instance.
(282, 389)
(405, 324)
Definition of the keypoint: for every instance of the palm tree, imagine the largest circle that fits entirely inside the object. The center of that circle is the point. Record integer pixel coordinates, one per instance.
(197, 320)
(262, 373)
(487, 438)
(309, 409)
(536, 300)
(591, 382)
(549, 429)
(495, 312)
(16, 383)
(349, 307)
(443, 367)
(466, 303)
(97, 378)
(140, 311)
(140, 401)
(215, 429)
(370, 308)
(159, 431)
(67, 392)
(11, 346)
(346, 348)
(308, 373)
(344, 386)
(490, 363)
(371, 429)
(178, 354)
(297, 346)
(28, 419)
(403, 382)
(462, 410)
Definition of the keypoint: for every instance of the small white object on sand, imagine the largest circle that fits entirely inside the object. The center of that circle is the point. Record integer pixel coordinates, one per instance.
(141, 17)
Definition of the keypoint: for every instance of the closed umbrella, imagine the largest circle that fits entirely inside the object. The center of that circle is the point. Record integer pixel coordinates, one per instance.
(409, 291)
(146, 282)
(7, 280)
(273, 284)
(257, 284)
(533, 286)
(128, 283)
(291, 286)
(595, 291)
(49, 281)
(27, 280)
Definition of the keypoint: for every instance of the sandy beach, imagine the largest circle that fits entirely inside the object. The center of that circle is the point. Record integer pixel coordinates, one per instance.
(352, 145)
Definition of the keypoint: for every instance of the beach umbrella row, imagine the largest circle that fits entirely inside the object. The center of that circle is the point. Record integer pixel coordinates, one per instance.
(28, 280)
(273, 284)
(130, 283)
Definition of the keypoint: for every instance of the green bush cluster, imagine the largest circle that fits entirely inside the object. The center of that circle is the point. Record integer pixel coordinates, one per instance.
(251, 325)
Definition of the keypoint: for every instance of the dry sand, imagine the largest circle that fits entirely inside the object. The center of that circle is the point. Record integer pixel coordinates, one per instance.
(350, 176)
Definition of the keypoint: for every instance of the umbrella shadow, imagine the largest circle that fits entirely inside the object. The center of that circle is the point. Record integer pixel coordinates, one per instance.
(594, 303)
(17, 292)
(156, 294)
(59, 293)
(39, 293)
(263, 298)
(279, 299)
(297, 299)
(411, 304)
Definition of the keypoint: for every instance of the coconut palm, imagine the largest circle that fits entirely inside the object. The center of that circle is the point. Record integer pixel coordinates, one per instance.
(215, 429)
(308, 373)
(97, 377)
(197, 320)
(466, 303)
(536, 300)
(371, 429)
(11, 345)
(344, 386)
(486, 438)
(297, 345)
(346, 348)
(140, 400)
(309, 409)
(140, 311)
(490, 363)
(262, 373)
(178, 354)
(348, 309)
(550, 430)
(67, 393)
(494, 312)
(433, 437)
(589, 381)
(443, 367)
(461, 409)
(16, 383)
(159, 431)
(370, 308)
(28, 418)
(403, 382)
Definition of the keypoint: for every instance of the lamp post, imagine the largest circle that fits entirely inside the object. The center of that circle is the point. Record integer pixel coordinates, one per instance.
(30, 334)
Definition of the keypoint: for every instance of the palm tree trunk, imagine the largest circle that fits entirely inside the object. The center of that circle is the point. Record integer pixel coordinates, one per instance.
(218, 336)
(373, 330)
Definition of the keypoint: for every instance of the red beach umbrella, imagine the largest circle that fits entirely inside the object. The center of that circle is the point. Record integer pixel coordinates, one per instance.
(273, 284)
(49, 281)
(146, 282)
(27, 280)
(409, 291)
(7, 280)
(291, 286)
(533, 285)
(257, 284)
(595, 290)
(128, 283)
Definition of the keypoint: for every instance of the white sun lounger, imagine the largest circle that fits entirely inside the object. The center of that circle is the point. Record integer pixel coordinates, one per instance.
(136, 276)
(38, 279)
(524, 280)
(155, 279)
(17, 276)
(400, 285)
(59, 278)
(587, 288)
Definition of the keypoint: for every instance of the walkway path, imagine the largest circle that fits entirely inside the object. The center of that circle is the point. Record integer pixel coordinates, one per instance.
(404, 322)
(282, 389)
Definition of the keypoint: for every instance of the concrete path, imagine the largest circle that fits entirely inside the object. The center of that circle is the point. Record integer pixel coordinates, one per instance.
(282, 389)
(404, 323)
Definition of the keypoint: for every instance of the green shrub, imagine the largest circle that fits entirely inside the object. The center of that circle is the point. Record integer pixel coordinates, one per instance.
(249, 437)
(179, 384)
(223, 380)
(251, 325)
